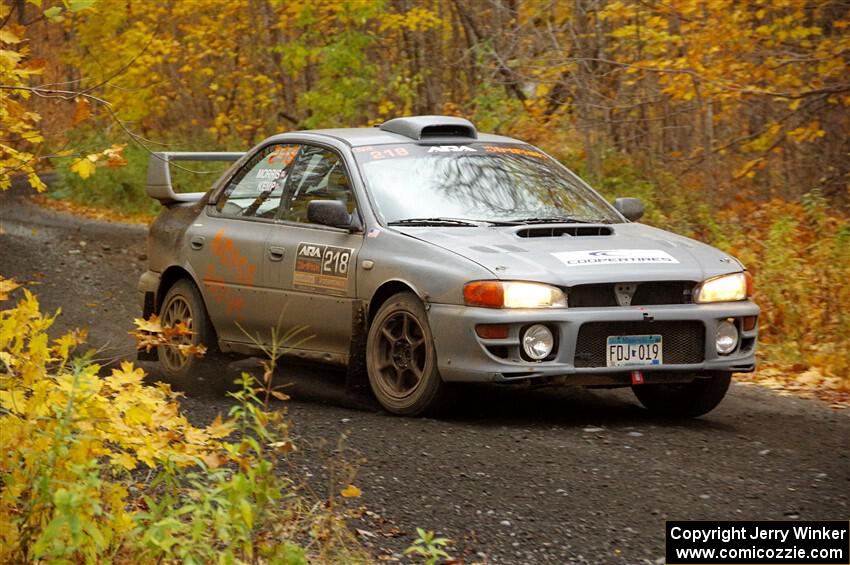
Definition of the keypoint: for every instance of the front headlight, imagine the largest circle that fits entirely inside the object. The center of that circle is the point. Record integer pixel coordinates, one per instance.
(725, 288)
(510, 294)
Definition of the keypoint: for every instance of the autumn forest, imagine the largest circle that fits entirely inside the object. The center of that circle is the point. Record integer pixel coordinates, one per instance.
(730, 119)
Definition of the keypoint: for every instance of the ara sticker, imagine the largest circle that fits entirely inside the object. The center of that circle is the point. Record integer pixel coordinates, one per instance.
(451, 149)
(614, 257)
(322, 268)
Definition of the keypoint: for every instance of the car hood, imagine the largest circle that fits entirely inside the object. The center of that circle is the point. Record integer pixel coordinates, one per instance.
(628, 253)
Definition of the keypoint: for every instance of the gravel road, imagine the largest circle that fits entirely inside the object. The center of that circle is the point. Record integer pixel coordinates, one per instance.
(516, 476)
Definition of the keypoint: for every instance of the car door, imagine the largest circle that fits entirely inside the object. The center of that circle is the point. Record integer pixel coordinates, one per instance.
(315, 283)
(228, 247)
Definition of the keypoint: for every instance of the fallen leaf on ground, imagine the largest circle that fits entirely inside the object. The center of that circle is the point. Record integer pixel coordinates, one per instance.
(351, 491)
(801, 381)
(69, 207)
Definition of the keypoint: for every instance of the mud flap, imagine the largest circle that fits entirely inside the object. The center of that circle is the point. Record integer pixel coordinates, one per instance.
(148, 309)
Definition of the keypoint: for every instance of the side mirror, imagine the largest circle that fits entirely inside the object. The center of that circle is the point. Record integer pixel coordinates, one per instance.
(329, 213)
(631, 208)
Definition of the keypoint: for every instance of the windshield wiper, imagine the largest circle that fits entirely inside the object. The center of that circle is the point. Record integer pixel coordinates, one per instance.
(554, 220)
(433, 222)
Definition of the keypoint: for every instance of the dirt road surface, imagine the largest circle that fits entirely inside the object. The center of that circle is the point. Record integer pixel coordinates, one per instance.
(516, 476)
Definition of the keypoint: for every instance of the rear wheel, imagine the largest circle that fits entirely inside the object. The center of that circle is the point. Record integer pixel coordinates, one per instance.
(183, 303)
(687, 400)
(401, 359)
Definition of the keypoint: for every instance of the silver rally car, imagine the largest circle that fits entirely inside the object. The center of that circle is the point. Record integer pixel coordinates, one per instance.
(425, 253)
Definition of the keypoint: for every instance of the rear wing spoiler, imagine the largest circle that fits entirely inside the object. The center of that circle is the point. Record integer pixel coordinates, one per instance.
(159, 174)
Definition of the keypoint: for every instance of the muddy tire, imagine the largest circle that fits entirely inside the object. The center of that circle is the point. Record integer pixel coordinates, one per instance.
(183, 303)
(401, 359)
(687, 400)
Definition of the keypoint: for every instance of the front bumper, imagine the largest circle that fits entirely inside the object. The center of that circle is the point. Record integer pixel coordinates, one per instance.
(463, 356)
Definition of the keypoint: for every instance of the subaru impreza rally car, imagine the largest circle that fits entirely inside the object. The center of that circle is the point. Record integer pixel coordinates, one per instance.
(426, 254)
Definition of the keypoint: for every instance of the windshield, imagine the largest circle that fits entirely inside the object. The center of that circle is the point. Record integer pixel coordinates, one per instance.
(477, 182)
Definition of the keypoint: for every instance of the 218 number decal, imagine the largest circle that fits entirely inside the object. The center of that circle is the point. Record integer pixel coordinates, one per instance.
(335, 261)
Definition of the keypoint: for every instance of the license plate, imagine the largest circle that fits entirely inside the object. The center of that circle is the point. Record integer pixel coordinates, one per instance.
(628, 350)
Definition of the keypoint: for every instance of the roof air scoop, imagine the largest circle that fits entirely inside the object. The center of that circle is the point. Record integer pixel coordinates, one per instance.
(432, 128)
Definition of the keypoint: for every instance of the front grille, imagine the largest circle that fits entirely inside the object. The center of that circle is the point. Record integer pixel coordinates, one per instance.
(682, 341)
(647, 294)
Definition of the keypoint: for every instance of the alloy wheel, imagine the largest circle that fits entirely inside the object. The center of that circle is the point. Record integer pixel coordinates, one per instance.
(175, 311)
(402, 354)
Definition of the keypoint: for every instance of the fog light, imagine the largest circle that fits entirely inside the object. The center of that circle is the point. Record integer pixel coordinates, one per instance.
(538, 341)
(727, 337)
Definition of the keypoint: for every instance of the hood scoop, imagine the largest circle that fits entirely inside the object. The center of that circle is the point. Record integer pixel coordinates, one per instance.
(558, 231)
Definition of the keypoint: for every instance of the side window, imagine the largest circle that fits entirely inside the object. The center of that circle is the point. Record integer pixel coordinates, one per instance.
(255, 192)
(317, 174)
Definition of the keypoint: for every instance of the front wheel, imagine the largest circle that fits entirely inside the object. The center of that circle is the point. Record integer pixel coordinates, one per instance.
(401, 359)
(687, 400)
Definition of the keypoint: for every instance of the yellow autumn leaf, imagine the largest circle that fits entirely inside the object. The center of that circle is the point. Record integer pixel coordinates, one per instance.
(83, 167)
(62, 345)
(126, 375)
(219, 429)
(350, 491)
(8, 36)
(13, 400)
(10, 58)
(124, 459)
(187, 349)
(138, 415)
(7, 286)
(151, 325)
(32, 136)
(115, 151)
(36, 182)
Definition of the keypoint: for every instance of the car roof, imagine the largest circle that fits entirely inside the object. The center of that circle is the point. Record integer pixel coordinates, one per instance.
(425, 130)
(356, 137)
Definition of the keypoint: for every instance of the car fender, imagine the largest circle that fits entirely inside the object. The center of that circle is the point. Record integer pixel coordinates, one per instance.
(435, 274)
